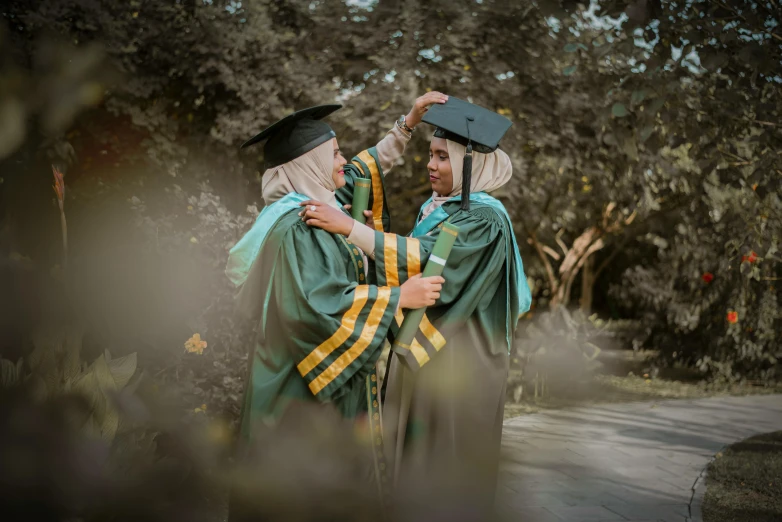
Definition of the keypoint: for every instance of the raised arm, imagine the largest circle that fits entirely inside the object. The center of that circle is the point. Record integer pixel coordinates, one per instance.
(373, 163)
(392, 146)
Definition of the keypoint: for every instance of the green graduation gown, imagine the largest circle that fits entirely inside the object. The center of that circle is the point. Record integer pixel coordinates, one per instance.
(450, 411)
(321, 323)
(321, 320)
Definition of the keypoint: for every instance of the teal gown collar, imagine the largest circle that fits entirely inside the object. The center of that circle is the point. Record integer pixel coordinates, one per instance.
(244, 253)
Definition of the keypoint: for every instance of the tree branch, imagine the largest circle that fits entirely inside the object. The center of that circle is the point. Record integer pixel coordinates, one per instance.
(732, 155)
(550, 251)
(580, 245)
(759, 122)
(594, 247)
(558, 239)
(533, 239)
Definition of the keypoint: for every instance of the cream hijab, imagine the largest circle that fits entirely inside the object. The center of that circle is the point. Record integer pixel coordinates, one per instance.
(489, 172)
(309, 174)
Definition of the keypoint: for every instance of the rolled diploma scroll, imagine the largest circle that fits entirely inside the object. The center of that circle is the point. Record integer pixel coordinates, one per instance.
(434, 267)
(360, 199)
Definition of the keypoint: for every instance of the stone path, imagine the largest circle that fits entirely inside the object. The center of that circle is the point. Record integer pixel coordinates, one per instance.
(634, 462)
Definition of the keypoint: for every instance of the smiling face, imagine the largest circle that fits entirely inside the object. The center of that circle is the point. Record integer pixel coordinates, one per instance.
(338, 171)
(439, 166)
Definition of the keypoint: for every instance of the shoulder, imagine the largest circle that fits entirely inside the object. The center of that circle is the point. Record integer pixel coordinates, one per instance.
(486, 213)
(290, 228)
(286, 223)
(481, 225)
(478, 215)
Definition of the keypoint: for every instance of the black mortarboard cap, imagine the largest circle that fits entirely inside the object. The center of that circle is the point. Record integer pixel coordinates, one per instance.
(294, 135)
(474, 127)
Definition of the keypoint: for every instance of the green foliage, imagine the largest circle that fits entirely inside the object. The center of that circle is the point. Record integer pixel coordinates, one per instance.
(10, 373)
(666, 116)
(56, 369)
(705, 270)
(619, 110)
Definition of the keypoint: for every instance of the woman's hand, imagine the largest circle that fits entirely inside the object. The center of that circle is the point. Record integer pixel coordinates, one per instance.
(367, 215)
(330, 219)
(422, 105)
(419, 292)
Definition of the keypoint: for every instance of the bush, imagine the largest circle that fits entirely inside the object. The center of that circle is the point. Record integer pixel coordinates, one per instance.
(711, 297)
(556, 348)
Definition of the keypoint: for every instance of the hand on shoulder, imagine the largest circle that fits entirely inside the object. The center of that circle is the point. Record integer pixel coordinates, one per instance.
(328, 218)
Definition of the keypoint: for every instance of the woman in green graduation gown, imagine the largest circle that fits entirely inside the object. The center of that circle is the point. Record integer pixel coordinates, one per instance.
(321, 324)
(443, 410)
(321, 317)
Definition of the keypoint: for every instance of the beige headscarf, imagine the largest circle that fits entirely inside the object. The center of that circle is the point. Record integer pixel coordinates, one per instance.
(489, 172)
(309, 174)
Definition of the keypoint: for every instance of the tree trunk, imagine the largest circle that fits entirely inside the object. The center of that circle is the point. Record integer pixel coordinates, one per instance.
(557, 297)
(587, 285)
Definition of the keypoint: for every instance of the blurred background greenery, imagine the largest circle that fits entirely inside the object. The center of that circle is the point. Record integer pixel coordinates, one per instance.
(645, 197)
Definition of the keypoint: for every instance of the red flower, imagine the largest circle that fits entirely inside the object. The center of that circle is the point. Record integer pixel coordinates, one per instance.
(733, 317)
(751, 258)
(708, 277)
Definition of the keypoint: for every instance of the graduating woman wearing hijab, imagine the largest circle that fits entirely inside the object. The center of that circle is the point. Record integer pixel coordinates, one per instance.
(321, 318)
(446, 392)
(320, 324)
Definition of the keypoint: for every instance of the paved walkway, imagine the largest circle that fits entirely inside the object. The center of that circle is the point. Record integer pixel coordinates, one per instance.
(622, 462)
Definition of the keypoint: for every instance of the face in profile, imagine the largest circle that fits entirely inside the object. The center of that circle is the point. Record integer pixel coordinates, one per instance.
(439, 166)
(338, 170)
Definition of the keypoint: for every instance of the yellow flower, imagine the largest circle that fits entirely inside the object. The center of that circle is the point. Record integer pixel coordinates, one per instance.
(195, 344)
(201, 409)
(218, 432)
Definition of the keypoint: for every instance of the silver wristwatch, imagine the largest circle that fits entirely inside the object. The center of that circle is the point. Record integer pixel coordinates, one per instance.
(402, 125)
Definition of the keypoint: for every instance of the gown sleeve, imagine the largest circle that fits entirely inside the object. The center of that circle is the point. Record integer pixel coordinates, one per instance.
(335, 327)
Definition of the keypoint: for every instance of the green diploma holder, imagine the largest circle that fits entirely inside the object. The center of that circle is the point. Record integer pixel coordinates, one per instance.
(360, 199)
(434, 267)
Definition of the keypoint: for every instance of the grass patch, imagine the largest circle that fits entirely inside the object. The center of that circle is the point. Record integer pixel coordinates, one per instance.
(744, 483)
(624, 376)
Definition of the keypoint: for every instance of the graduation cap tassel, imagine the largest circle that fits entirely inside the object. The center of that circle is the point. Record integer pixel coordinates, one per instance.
(467, 177)
(467, 168)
